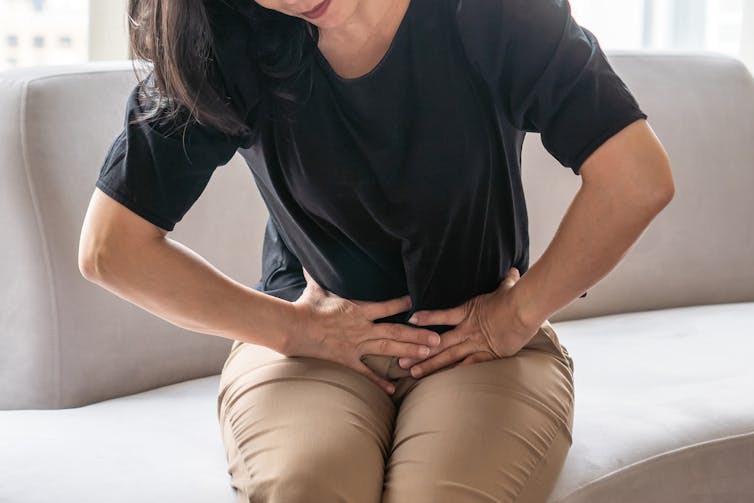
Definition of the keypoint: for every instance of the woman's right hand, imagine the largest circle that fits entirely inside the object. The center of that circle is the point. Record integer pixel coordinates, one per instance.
(341, 330)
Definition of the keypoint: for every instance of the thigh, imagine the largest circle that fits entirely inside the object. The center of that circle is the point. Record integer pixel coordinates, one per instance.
(494, 431)
(301, 429)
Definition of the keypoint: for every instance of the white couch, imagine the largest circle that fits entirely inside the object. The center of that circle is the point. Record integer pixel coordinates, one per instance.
(102, 401)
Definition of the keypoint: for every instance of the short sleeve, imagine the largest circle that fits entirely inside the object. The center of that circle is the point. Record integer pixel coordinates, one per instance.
(159, 172)
(547, 74)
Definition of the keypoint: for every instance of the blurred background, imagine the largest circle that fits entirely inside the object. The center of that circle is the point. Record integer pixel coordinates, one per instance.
(36, 32)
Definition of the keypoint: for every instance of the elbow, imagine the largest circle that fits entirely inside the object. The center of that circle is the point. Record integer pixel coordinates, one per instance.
(632, 166)
(89, 266)
(87, 255)
(650, 178)
(662, 187)
(664, 196)
(91, 257)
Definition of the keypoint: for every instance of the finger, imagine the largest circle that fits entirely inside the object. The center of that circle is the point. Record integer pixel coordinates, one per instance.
(310, 282)
(450, 316)
(448, 339)
(379, 381)
(404, 333)
(393, 348)
(405, 362)
(381, 309)
(511, 278)
(476, 358)
(443, 359)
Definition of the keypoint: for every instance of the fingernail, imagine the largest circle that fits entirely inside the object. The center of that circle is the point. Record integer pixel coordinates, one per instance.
(424, 350)
(413, 319)
(416, 372)
(391, 389)
(434, 339)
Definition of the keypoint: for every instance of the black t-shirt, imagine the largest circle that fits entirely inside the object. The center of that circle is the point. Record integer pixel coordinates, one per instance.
(408, 178)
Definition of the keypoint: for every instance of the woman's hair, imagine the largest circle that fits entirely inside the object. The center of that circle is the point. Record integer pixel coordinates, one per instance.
(176, 38)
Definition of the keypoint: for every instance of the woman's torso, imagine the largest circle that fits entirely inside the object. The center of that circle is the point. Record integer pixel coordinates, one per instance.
(403, 180)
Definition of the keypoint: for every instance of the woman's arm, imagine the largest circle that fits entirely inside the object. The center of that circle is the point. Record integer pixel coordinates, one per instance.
(626, 182)
(135, 260)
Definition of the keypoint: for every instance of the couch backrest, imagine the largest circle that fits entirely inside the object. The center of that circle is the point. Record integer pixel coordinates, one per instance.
(66, 342)
(700, 248)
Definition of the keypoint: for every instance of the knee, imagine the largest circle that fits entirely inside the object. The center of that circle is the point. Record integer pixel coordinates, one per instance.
(298, 486)
(522, 471)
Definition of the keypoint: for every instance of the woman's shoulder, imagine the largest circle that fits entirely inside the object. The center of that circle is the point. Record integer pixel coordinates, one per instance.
(492, 30)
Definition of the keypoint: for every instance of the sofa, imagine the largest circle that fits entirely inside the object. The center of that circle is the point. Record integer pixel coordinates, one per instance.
(103, 401)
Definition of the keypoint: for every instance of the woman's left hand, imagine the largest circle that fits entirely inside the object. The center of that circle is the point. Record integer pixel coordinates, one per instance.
(486, 328)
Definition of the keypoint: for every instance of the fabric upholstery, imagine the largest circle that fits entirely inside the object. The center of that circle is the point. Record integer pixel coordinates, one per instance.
(661, 346)
(663, 413)
(58, 329)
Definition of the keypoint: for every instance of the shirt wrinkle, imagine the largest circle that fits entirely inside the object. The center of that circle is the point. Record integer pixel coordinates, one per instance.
(406, 180)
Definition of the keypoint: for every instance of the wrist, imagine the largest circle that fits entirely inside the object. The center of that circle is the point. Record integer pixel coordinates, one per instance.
(524, 308)
(294, 321)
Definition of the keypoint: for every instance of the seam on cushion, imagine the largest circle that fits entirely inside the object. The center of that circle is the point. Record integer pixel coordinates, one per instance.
(45, 246)
(604, 479)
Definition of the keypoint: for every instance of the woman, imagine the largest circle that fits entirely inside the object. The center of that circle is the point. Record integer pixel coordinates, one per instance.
(397, 347)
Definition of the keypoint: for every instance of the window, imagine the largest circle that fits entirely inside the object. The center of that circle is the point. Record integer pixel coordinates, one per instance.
(667, 25)
(39, 32)
(725, 26)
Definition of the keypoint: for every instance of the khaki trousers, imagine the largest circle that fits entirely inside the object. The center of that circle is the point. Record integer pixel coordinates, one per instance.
(302, 429)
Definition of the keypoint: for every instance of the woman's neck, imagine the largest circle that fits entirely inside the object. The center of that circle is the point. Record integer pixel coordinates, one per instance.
(370, 19)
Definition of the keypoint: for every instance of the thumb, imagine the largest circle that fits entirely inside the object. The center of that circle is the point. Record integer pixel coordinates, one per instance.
(307, 276)
(511, 278)
(309, 280)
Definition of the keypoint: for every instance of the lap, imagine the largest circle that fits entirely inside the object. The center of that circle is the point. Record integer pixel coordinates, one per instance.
(492, 431)
(301, 429)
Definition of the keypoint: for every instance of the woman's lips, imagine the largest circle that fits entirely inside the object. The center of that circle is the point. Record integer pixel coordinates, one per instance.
(317, 11)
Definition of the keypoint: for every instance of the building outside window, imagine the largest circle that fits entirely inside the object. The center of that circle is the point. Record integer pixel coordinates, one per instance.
(40, 32)
(665, 25)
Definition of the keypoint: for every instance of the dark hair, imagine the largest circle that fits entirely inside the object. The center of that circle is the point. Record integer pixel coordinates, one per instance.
(180, 41)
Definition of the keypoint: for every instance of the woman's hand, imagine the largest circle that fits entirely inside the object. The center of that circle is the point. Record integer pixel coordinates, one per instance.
(341, 330)
(486, 328)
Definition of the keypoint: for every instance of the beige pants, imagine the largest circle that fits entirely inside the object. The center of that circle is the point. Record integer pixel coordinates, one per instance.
(302, 429)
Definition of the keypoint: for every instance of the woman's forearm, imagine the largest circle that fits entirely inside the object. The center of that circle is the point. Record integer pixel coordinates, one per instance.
(598, 228)
(178, 285)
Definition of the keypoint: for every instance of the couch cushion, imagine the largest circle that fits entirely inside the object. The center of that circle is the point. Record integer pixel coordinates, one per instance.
(161, 445)
(664, 406)
(664, 412)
